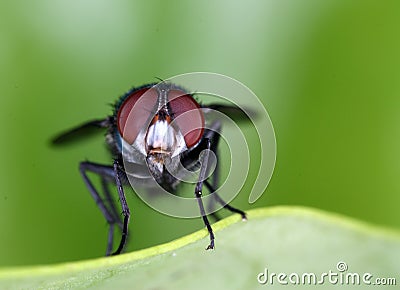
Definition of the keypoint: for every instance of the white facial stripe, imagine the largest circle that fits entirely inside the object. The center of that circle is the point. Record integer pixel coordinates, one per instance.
(161, 136)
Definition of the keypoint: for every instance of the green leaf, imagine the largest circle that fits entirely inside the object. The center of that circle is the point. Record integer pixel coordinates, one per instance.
(278, 240)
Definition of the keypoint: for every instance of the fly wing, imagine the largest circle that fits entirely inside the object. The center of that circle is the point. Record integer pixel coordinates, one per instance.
(82, 131)
(234, 112)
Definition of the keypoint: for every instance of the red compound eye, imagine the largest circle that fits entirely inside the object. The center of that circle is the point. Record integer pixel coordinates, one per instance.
(134, 112)
(137, 107)
(187, 115)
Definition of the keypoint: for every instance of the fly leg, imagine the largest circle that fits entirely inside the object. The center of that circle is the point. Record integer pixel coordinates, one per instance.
(113, 210)
(212, 200)
(125, 209)
(213, 135)
(198, 194)
(222, 202)
(107, 173)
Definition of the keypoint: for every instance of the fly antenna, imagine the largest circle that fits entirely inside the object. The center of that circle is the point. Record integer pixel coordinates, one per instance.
(160, 79)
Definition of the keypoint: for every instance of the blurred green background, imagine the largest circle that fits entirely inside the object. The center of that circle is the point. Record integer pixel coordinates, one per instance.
(328, 73)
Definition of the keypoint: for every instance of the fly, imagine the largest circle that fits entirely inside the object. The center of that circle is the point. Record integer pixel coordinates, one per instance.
(150, 126)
